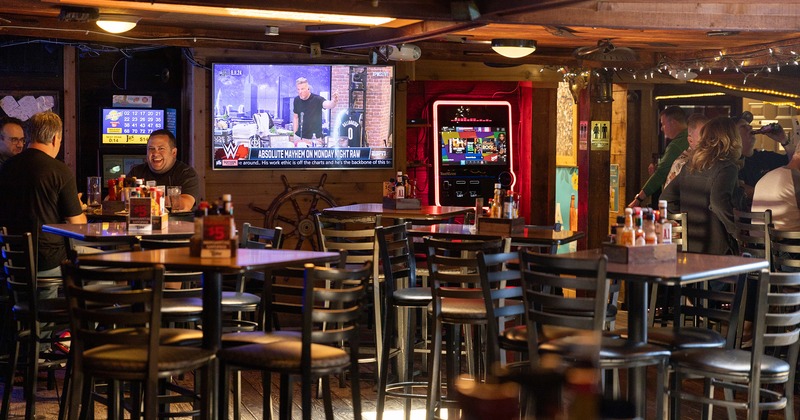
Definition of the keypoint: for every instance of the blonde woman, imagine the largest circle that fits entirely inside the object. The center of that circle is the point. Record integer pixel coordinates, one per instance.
(707, 188)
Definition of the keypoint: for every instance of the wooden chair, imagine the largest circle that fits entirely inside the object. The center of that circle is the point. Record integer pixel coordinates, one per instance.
(356, 236)
(38, 315)
(578, 316)
(403, 297)
(502, 298)
(457, 301)
(330, 315)
(680, 236)
(117, 337)
(753, 372)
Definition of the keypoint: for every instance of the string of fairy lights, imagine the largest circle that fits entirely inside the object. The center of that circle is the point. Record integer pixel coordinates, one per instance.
(748, 65)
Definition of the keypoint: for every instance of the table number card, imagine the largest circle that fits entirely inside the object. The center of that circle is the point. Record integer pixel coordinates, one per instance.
(140, 215)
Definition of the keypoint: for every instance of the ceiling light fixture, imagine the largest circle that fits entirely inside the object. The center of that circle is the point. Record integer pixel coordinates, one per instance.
(117, 24)
(513, 48)
(308, 17)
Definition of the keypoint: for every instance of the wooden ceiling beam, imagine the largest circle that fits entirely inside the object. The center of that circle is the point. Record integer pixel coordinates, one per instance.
(386, 36)
(739, 16)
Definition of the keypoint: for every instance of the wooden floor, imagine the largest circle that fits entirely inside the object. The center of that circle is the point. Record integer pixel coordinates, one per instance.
(47, 401)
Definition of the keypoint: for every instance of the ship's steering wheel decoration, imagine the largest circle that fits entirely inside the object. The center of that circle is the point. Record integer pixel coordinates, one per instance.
(293, 210)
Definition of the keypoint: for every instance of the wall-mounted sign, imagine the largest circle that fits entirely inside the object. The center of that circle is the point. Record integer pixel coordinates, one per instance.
(583, 136)
(601, 135)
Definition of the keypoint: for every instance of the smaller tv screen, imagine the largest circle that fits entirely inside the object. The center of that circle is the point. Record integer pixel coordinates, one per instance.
(116, 165)
(121, 126)
(474, 145)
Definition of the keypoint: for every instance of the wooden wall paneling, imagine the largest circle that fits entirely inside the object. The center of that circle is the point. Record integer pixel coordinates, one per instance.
(543, 157)
(599, 161)
(619, 128)
(69, 145)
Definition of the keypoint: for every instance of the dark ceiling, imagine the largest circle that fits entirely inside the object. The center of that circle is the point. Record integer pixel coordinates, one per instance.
(743, 43)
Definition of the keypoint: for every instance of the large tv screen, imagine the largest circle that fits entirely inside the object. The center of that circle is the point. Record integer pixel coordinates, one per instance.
(473, 132)
(293, 116)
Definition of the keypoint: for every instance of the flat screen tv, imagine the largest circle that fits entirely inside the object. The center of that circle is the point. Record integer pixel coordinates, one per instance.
(264, 118)
(116, 165)
(473, 133)
(124, 126)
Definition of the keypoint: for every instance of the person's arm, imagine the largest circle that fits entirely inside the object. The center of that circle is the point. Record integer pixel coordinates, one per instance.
(295, 126)
(77, 220)
(656, 181)
(780, 137)
(331, 103)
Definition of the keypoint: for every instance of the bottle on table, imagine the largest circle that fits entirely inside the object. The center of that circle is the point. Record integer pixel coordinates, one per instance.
(573, 214)
(497, 209)
(638, 221)
(627, 236)
(227, 204)
(666, 224)
(399, 189)
(650, 236)
(508, 205)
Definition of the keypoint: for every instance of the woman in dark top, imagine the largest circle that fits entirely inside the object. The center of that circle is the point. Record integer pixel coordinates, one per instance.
(707, 188)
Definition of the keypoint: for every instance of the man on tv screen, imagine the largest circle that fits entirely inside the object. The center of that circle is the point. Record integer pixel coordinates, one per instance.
(307, 118)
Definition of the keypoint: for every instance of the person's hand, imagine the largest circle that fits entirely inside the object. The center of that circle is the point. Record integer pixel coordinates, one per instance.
(778, 136)
(637, 200)
(335, 96)
(83, 205)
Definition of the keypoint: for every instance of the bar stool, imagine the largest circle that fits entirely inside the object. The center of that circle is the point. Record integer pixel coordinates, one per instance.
(402, 299)
(457, 301)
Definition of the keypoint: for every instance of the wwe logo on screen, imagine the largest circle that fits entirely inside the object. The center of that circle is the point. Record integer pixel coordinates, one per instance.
(230, 150)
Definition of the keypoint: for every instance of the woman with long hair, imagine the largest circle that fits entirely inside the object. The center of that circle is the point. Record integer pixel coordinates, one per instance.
(707, 188)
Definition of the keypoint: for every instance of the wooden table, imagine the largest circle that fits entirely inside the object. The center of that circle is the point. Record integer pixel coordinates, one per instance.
(213, 270)
(100, 232)
(529, 236)
(689, 268)
(423, 213)
(113, 211)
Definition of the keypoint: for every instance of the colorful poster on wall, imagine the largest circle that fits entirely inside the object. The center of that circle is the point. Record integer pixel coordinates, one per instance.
(566, 187)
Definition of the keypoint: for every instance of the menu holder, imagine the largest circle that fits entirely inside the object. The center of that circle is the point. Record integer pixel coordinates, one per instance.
(401, 203)
(500, 225)
(644, 254)
(140, 215)
(217, 239)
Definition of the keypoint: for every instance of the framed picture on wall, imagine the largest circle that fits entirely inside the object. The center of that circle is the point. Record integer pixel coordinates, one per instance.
(566, 127)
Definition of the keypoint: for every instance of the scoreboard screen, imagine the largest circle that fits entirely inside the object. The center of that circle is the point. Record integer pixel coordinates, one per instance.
(121, 126)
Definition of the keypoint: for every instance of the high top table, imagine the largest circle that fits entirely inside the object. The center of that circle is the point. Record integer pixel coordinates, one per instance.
(113, 234)
(540, 237)
(689, 268)
(213, 270)
(423, 213)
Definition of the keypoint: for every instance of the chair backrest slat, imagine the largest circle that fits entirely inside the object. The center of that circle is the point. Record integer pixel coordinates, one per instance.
(544, 307)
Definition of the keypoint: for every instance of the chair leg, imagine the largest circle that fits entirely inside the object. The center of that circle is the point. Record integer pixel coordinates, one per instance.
(225, 390)
(33, 374)
(327, 403)
(355, 388)
(383, 372)
(9, 379)
(286, 397)
(434, 366)
(708, 391)
(266, 384)
(237, 393)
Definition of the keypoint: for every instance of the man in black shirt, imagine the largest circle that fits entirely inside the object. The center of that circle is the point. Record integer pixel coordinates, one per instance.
(12, 138)
(164, 167)
(307, 119)
(759, 162)
(38, 189)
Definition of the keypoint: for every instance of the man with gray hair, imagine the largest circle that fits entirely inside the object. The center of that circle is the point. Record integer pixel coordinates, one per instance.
(38, 189)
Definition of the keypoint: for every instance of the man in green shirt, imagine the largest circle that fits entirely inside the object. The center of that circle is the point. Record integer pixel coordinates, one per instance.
(674, 126)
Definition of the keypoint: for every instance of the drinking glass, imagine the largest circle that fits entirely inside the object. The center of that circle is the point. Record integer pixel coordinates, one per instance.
(94, 194)
(173, 197)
